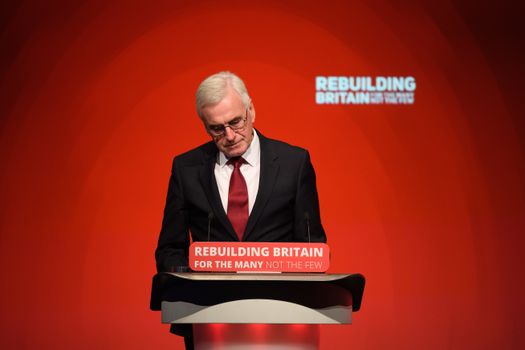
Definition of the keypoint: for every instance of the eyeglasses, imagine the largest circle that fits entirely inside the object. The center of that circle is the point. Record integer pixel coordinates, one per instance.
(235, 124)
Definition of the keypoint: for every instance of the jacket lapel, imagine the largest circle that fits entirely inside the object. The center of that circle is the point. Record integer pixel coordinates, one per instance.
(267, 178)
(208, 182)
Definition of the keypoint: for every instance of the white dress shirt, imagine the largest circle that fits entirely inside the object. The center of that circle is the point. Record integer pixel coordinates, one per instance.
(250, 170)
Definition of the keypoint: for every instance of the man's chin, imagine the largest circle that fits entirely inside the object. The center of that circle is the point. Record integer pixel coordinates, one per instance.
(232, 154)
(235, 151)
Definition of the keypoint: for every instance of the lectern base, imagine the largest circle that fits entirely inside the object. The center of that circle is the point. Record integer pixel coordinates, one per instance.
(256, 336)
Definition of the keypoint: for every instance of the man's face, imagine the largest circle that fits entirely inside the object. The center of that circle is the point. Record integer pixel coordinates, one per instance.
(230, 109)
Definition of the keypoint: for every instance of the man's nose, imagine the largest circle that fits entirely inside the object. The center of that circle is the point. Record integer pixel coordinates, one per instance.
(229, 134)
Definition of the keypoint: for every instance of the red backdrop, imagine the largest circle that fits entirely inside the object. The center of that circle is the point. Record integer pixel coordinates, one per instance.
(426, 200)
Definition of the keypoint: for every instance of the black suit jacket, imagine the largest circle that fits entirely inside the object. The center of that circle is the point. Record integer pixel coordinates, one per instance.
(286, 200)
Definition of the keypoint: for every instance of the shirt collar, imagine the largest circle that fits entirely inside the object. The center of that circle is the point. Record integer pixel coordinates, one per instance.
(251, 156)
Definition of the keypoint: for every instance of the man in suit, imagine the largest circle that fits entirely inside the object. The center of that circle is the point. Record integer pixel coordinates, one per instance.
(241, 186)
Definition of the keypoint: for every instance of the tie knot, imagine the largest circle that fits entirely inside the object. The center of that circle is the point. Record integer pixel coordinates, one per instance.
(236, 162)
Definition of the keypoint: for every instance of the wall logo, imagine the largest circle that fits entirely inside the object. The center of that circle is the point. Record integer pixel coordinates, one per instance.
(364, 90)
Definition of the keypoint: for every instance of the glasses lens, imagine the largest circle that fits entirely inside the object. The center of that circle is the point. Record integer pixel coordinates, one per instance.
(216, 130)
(237, 123)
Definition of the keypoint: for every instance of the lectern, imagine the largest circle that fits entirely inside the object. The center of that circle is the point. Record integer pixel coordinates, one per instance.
(257, 310)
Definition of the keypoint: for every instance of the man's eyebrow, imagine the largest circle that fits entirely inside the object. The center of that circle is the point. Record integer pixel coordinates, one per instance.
(234, 118)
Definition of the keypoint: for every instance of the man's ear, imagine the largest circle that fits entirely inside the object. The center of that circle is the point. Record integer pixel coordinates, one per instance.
(252, 111)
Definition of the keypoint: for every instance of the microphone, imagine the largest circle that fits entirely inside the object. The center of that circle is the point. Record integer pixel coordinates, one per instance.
(210, 218)
(307, 218)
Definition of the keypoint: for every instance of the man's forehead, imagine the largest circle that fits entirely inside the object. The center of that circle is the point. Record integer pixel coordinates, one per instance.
(228, 108)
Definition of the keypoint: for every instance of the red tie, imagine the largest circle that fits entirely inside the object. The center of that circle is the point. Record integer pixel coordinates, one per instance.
(238, 198)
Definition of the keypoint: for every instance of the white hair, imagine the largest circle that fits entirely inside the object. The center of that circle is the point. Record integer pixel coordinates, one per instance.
(213, 89)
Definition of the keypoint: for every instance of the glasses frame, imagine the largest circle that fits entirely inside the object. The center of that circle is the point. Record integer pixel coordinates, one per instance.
(227, 125)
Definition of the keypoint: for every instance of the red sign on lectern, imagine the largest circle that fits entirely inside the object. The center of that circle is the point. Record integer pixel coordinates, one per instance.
(259, 257)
